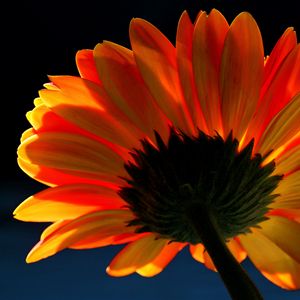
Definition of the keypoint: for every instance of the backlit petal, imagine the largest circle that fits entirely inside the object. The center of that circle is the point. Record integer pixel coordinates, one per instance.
(135, 255)
(184, 51)
(126, 88)
(54, 177)
(161, 261)
(289, 191)
(281, 90)
(104, 224)
(200, 254)
(67, 202)
(273, 262)
(86, 65)
(208, 41)
(86, 105)
(156, 60)
(284, 126)
(241, 74)
(73, 155)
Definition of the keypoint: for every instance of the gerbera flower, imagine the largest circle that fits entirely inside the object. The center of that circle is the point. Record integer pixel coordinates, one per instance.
(150, 145)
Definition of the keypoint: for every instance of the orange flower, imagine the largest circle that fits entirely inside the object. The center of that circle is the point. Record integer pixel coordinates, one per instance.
(145, 134)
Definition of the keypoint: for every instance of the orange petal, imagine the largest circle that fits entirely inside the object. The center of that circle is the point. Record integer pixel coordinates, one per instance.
(95, 242)
(86, 66)
(72, 153)
(289, 213)
(44, 119)
(200, 254)
(87, 105)
(156, 60)
(241, 74)
(67, 202)
(272, 261)
(208, 41)
(283, 47)
(103, 224)
(283, 87)
(135, 255)
(126, 88)
(284, 126)
(158, 264)
(184, 51)
(54, 177)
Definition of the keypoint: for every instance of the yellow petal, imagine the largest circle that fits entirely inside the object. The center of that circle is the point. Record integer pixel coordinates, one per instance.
(284, 126)
(27, 134)
(284, 233)
(103, 223)
(271, 260)
(241, 74)
(158, 264)
(289, 191)
(135, 255)
(67, 202)
(289, 161)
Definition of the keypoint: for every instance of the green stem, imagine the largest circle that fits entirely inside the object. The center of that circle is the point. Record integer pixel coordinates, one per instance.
(236, 280)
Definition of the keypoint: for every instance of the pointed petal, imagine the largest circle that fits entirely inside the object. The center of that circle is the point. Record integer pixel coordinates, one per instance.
(271, 260)
(158, 264)
(103, 224)
(241, 74)
(284, 126)
(135, 255)
(184, 51)
(125, 86)
(208, 42)
(67, 202)
(86, 66)
(156, 60)
(283, 47)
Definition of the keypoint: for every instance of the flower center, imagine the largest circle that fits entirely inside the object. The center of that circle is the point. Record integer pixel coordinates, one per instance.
(197, 173)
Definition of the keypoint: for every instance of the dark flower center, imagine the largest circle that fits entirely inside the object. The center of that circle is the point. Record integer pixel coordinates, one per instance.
(197, 173)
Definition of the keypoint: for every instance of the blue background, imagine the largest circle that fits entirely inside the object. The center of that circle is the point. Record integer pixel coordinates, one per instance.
(41, 37)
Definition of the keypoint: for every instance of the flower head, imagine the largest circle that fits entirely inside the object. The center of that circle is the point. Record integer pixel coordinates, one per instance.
(146, 135)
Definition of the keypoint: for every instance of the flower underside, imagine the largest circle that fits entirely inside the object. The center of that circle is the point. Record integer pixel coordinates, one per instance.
(201, 173)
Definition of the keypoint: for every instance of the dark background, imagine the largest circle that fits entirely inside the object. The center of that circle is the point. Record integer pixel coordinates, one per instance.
(41, 37)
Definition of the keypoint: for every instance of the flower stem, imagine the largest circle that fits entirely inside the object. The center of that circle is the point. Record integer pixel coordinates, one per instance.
(236, 280)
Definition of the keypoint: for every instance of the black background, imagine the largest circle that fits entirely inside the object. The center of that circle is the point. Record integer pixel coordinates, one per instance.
(41, 37)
